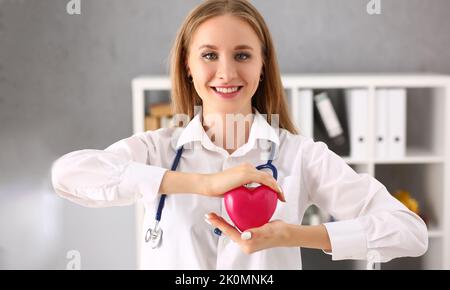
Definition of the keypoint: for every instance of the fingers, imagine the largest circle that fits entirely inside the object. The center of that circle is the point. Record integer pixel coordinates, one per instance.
(268, 180)
(251, 240)
(281, 196)
(243, 240)
(262, 177)
(224, 226)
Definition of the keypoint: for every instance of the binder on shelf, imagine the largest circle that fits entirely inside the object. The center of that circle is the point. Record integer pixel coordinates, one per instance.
(397, 123)
(382, 123)
(330, 121)
(329, 116)
(357, 102)
(302, 113)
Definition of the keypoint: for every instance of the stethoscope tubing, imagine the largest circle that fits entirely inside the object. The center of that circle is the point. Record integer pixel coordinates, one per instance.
(175, 163)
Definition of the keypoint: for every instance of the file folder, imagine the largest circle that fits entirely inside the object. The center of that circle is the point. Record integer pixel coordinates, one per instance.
(302, 111)
(357, 102)
(382, 117)
(397, 123)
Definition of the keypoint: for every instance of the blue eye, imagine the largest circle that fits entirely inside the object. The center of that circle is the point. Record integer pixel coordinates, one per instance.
(209, 56)
(242, 56)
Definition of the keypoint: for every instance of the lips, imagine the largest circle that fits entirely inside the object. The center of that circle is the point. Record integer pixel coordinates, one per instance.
(227, 92)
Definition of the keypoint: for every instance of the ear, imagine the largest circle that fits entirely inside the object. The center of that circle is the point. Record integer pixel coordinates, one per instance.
(186, 65)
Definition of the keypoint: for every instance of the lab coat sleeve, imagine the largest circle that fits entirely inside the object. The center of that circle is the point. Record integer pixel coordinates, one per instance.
(371, 223)
(116, 176)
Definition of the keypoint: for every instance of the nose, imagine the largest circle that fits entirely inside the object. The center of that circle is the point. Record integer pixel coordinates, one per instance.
(226, 70)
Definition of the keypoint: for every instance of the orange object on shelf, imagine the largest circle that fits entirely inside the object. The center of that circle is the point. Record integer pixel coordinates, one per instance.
(405, 197)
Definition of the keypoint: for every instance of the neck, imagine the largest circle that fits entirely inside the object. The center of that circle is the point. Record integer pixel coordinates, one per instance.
(228, 130)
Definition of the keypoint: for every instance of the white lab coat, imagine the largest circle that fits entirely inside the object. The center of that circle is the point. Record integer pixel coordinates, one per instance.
(369, 220)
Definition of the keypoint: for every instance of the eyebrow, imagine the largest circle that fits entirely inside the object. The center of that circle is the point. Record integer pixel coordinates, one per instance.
(242, 46)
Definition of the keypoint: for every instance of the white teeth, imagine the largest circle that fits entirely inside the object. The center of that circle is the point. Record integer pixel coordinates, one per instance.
(227, 90)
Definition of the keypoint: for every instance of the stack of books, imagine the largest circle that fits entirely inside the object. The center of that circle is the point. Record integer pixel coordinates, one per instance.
(160, 116)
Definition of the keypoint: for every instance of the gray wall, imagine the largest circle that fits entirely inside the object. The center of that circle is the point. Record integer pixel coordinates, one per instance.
(65, 85)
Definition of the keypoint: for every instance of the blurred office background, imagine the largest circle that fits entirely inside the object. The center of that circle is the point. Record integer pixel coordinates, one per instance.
(65, 84)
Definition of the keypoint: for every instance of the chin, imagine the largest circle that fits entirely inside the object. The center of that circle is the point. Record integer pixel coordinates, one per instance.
(231, 108)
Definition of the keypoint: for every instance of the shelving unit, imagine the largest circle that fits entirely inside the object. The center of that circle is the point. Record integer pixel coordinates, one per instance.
(424, 170)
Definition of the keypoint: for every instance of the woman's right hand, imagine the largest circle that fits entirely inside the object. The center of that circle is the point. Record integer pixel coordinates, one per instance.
(216, 184)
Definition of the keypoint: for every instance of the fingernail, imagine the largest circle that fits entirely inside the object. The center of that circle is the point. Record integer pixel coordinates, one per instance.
(207, 216)
(246, 235)
(208, 222)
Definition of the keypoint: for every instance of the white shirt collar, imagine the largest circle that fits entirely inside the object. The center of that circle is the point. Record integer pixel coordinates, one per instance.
(194, 133)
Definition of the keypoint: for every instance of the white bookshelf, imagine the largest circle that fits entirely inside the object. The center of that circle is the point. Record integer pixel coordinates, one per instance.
(424, 170)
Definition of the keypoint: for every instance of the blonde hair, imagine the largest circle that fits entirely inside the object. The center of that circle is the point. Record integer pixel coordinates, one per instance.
(268, 99)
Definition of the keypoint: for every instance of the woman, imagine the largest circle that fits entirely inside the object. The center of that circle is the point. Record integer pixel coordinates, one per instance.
(223, 61)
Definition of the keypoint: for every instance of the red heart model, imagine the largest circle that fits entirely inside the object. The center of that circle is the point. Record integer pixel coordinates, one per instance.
(250, 207)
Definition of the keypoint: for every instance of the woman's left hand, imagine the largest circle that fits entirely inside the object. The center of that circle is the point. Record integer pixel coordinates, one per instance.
(270, 235)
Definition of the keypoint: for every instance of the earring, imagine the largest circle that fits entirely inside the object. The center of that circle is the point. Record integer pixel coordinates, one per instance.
(261, 78)
(190, 79)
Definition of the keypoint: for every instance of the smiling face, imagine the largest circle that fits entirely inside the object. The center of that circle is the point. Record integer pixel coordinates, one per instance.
(225, 62)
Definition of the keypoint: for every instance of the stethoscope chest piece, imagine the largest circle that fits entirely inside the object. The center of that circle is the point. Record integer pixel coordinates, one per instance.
(154, 236)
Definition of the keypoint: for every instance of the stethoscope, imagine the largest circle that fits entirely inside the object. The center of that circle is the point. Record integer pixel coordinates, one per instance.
(154, 234)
